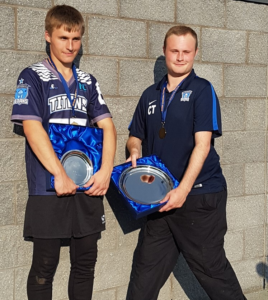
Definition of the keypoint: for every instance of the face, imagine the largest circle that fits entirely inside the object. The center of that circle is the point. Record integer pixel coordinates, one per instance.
(64, 45)
(180, 53)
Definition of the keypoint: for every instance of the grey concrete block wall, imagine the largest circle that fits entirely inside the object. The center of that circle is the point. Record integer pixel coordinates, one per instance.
(122, 48)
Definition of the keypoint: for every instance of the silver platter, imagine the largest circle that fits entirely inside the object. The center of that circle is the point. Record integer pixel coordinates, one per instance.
(77, 166)
(145, 184)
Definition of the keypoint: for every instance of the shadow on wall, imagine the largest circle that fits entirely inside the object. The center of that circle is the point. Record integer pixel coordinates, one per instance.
(262, 270)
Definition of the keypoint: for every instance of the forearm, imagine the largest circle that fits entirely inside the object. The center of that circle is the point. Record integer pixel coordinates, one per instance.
(195, 165)
(134, 146)
(109, 147)
(40, 144)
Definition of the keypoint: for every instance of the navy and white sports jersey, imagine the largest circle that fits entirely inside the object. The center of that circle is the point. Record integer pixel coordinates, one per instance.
(40, 96)
(194, 108)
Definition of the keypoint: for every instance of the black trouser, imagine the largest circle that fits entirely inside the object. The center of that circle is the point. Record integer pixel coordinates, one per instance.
(83, 255)
(197, 231)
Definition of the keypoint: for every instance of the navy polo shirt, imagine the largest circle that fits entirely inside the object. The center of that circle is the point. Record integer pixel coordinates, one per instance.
(194, 108)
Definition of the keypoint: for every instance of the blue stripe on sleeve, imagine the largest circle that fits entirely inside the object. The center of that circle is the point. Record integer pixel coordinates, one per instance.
(214, 109)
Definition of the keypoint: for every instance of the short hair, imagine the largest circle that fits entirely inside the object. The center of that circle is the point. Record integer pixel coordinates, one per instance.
(181, 30)
(65, 15)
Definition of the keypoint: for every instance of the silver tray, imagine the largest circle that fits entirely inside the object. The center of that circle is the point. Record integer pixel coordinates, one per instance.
(145, 184)
(77, 166)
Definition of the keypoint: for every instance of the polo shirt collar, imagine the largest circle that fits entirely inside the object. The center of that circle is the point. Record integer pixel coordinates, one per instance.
(186, 80)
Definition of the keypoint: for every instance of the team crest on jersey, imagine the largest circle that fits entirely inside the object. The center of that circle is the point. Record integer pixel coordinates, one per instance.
(185, 96)
(53, 87)
(21, 93)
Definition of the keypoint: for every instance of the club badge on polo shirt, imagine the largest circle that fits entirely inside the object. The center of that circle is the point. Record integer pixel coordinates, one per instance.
(185, 96)
(21, 93)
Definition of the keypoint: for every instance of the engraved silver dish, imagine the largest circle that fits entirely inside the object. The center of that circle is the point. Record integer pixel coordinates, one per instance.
(145, 184)
(77, 166)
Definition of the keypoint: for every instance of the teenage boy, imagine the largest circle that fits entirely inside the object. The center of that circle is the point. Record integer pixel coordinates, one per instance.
(47, 92)
(177, 119)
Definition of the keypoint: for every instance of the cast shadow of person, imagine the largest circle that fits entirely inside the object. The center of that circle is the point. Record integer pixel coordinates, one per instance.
(262, 270)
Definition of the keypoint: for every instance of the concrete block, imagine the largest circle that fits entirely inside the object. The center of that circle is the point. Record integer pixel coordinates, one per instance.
(12, 64)
(7, 204)
(166, 291)
(105, 295)
(227, 46)
(102, 7)
(233, 114)
(135, 76)
(241, 81)
(114, 37)
(6, 126)
(113, 268)
(32, 3)
(213, 73)
(255, 114)
(129, 239)
(255, 178)
(31, 30)
(245, 212)
(157, 32)
(12, 169)
(184, 284)
(207, 12)
(10, 239)
(7, 284)
(109, 239)
(243, 147)
(246, 16)
(260, 295)
(7, 28)
(107, 80)
(247, 274)
(121, 292)
(60, 284)
(21, 200)
(254, 241)
(24, 250)
(148, 9)
(121, 154)
(21, 275)
(122, 110)
(234, 245)
(234, 175)
(257, 46)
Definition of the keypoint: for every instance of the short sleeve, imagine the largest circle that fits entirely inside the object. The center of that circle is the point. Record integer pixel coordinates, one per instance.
(137, 126)
(28, 102)
(97, 108)
(207, 115)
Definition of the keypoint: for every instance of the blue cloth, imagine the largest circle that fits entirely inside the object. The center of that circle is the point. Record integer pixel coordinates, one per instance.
(141, 210)
(72, 137)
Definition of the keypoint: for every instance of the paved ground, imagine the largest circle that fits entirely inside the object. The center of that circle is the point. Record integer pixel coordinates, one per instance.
(263, 295)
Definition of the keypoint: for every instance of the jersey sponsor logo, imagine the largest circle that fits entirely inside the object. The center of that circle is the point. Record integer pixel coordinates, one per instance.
(103, 219)
(82, 87)
(152, 102)
(185, 96)
(21, 93)
(61, 102)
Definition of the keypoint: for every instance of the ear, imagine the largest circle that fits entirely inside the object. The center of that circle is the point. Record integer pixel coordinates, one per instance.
(196, 52)
(164, 49)
(47, 37)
